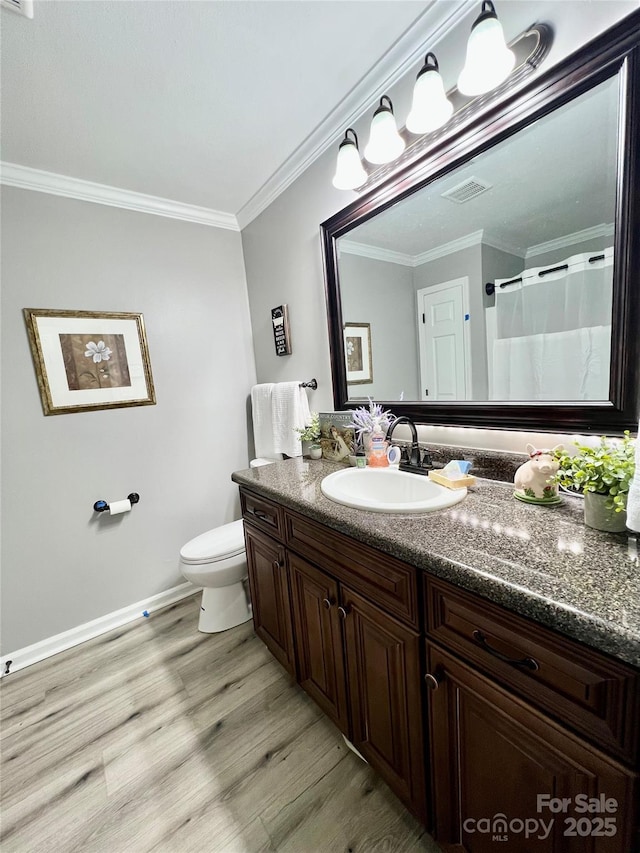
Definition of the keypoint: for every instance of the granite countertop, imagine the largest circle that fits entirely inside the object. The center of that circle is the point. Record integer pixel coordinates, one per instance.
(540, 562)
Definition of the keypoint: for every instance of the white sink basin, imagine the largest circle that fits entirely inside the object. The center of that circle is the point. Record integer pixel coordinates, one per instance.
(388, 490)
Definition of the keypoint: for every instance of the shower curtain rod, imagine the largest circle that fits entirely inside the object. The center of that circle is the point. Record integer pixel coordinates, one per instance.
(490, 286)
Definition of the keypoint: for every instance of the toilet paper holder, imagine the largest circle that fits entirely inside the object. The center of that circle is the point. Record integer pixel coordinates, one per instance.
(103, 506)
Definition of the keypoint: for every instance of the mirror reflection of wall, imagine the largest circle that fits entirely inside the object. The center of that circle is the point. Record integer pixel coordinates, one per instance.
(543, 198)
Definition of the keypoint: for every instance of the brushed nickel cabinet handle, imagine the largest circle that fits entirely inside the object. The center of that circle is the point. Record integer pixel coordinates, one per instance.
(432, 681)
(526, 663)
(343, 612)
(327, 603)
(277, 564)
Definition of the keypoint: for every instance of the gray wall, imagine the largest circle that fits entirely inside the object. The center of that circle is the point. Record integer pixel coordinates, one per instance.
(282, 245)
(381, 293)
(62, 565)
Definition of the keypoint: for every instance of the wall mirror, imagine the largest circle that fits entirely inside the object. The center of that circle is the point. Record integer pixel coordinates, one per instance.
(496, 281)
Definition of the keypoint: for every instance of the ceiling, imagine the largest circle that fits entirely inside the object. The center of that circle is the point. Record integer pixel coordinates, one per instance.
(198, 102)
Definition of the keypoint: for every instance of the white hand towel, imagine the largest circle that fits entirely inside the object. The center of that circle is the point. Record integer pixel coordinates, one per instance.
(289, 411)
(633, 498)
(262, 424)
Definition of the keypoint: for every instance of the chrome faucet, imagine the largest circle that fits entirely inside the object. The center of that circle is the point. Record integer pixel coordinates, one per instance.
(414, 463)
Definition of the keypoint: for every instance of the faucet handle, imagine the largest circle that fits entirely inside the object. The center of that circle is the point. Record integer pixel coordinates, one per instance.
(426, 461)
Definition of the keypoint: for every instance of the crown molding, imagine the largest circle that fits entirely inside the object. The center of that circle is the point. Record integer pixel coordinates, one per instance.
(408, 51)
(26, 178)
(475, 238)
(351, 247)
(605, 229)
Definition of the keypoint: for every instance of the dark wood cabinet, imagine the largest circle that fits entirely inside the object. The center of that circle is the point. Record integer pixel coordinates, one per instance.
(383, 663)
(269, 585)
(359, 664)
(338, 633)
(318, 634)
(513, 710)
(494, 755)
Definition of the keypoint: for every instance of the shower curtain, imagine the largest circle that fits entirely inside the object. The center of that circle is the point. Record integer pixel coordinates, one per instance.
(553, 331)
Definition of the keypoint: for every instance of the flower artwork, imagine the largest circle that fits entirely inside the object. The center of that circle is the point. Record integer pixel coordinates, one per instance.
(89, 360)
(95, 362)
(357, 346)
(98, 352)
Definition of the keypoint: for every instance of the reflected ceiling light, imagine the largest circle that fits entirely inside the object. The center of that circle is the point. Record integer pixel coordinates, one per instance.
(489, 61)
(385, 143)
(430, 108)
(350, 173)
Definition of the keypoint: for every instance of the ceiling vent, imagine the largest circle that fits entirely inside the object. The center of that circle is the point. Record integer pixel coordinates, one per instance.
(22, 7)
(468, 189)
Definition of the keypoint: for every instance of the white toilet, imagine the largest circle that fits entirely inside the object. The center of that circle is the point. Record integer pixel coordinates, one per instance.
(216, 560)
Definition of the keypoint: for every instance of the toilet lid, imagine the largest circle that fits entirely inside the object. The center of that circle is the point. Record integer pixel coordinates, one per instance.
(217, 544)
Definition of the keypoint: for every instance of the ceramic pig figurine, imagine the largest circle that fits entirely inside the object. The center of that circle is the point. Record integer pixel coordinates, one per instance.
(532, 479)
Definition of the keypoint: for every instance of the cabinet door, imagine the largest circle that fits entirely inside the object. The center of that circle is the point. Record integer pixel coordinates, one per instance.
(270, 602)
(494, 756)
(385, 691)
(319, 639)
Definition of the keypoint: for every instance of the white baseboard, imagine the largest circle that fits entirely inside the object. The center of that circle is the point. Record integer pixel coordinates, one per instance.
(61, 642)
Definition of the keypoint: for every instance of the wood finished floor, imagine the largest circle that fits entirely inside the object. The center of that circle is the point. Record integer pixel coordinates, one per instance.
(155, 737)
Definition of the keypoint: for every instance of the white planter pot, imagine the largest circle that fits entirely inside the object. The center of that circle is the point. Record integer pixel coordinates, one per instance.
(597, 515)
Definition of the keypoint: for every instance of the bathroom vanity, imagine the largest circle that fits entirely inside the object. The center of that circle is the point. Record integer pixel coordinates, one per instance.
(479, 657)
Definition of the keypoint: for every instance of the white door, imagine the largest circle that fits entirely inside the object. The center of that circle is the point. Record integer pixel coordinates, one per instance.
(443, 322)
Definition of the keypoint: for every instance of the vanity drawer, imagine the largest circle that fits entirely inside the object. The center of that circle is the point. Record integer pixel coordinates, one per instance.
(384, 580)
(594, 694)
(262, 513)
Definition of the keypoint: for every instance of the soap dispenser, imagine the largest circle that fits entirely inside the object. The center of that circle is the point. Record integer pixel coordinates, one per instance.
(377, 457)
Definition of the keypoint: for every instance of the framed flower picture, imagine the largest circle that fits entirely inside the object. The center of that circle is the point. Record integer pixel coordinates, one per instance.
(357, 348)
(88, 360)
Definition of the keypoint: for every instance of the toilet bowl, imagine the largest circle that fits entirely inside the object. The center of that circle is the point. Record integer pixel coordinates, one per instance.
(216, 561)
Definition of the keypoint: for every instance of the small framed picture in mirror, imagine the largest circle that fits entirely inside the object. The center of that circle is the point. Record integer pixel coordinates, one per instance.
(357, 348)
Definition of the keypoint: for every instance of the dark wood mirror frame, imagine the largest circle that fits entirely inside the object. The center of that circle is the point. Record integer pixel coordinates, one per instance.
(617, 51)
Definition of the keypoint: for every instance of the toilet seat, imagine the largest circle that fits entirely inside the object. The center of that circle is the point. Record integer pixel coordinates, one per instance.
(214, 545)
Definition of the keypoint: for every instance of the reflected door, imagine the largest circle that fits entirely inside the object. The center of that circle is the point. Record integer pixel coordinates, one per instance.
(441, 313)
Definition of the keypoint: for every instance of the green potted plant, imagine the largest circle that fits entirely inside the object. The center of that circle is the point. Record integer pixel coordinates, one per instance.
(311, 434)
(603, 474)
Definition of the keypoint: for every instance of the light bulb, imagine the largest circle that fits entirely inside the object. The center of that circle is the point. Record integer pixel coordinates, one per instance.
(350, 172)
(489, 61)
(385, 143)
(430, 108)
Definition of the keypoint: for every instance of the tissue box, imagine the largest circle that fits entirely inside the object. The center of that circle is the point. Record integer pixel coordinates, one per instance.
(457, 483)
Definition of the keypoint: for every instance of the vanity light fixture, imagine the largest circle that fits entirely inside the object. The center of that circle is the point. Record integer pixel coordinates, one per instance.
(489, 61)
(430, 108)
(350, 173)
(385, 143)
(490, 65)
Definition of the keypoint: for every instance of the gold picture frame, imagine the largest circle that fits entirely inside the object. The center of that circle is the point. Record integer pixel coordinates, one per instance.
(89, 360)
(358, 357)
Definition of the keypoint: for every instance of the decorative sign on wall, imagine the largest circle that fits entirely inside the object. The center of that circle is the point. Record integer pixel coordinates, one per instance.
(89, 360)
(281, 335)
